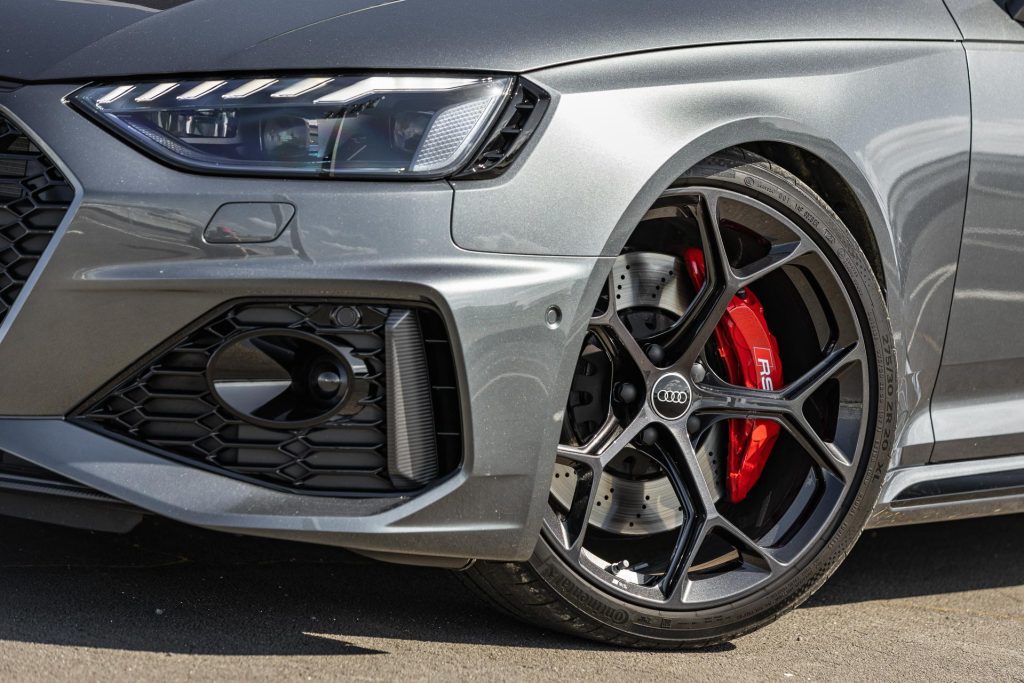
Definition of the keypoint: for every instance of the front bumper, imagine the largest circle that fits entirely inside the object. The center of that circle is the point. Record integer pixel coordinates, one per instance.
(129, 268)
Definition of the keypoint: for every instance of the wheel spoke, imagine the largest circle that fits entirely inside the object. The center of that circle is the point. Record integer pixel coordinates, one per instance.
(826, 454)
(643, 547)
(786, 407)
(830, 366)
(614, 445)
(577, 519)
(694, 329)
(780, 255)
(589, 462)
(683, 557)
(678, 586)
(772, 563)
(617, 338)
(690, 469)
(725, 400)
(722, 398)
(687, 475)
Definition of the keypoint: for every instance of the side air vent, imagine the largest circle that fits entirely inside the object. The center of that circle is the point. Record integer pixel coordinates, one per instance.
(516, 126)
(328, 398)
(34, 197)
(412, 449)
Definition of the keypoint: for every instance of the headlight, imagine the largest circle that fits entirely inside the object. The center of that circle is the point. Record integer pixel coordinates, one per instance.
(327, 126)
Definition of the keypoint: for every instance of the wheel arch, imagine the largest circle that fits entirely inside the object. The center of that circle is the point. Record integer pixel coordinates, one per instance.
(812, 157)
(832, 187)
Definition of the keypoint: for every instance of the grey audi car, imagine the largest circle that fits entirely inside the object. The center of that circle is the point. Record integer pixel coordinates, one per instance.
(636, 314)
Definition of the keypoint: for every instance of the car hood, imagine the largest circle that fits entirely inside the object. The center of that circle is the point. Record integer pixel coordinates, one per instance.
(79, 39)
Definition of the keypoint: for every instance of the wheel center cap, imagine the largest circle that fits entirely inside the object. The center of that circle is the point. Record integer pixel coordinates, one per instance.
(671, 396)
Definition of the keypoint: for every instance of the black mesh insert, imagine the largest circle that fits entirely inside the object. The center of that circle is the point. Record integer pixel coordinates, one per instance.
(34, 197)
(170, 407)
(516, 125)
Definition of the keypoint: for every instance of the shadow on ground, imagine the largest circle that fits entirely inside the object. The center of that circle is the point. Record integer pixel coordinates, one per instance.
(170, 588)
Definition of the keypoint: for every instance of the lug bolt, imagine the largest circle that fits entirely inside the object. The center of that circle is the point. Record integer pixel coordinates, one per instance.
(742, 294)
(693, 424)
(625, 392)
(698, 373)
(649, 436)
(656, 354)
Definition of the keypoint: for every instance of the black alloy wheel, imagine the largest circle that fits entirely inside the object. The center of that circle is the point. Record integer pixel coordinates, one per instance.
(661, 528)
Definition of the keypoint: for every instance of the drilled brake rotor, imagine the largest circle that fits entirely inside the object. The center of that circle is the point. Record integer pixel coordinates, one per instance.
(651, 291)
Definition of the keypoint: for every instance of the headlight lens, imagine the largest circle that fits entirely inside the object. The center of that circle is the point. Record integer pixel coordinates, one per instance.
(328, 126)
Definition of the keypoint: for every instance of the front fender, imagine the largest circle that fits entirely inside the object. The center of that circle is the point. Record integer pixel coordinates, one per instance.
(893, 119)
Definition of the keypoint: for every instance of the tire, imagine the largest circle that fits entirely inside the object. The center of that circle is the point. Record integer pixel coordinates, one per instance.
(550, 592)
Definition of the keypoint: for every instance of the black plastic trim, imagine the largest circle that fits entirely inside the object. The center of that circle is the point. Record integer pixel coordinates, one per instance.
(1015, 8)
(967, 487)
(447, 406)
(35, 197)
(17, 474)
(513, 130)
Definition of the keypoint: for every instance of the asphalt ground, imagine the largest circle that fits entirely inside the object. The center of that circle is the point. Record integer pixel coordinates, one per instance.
(936, 602)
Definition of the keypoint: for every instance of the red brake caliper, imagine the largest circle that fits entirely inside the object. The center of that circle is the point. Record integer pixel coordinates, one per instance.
(750, 353)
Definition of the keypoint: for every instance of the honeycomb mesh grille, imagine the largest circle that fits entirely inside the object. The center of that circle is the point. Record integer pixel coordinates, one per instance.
(170, 406)
(34, 197)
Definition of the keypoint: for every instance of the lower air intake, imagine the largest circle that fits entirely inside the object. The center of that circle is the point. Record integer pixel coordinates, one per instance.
(323, 398)
(34, 197)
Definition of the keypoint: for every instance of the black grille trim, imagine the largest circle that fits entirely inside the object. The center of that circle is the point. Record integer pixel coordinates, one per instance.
(165, 405)
(517, 124)
(34, 198)
(18, 467)
(18, 474)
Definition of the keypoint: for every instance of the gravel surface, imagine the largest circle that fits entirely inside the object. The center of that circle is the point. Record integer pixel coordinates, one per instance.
(937, 602)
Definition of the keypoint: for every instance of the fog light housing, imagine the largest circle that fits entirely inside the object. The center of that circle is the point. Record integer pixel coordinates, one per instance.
(281, 378)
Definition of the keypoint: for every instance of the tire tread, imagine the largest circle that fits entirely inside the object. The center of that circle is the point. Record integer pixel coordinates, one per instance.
(519, 590)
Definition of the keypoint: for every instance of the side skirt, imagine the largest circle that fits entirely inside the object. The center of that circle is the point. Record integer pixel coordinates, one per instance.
(955, 490)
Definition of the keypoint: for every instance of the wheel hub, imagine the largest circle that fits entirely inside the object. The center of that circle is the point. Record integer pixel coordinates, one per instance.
(671, 396)
(663, 491)
(651, 296)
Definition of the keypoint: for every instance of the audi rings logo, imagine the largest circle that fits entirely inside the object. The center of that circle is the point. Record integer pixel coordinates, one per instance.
(671, 396)
(667, 396)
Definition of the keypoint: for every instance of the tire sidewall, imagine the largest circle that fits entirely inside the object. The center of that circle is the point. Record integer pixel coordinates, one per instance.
(757, 178)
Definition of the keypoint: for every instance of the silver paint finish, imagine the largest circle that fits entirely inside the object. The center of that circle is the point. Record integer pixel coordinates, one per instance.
(979, 399)
(132, 268)
(623, 129)
(435, 522)
(129, 267)
(984, 20)
(253, 35)
(248, 223)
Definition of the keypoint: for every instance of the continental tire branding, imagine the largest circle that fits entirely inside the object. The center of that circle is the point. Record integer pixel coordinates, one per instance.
(581, 598)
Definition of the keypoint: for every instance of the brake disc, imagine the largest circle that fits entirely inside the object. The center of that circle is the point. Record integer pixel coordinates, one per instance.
(641, 507)
(651, 291)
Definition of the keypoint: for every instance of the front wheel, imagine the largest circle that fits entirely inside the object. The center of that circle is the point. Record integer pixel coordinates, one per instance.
(728, 426)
